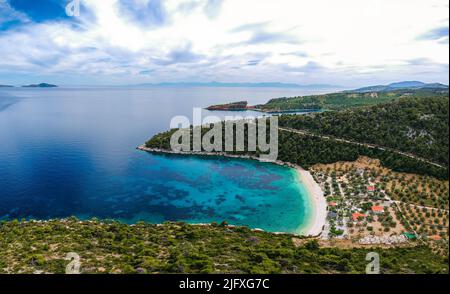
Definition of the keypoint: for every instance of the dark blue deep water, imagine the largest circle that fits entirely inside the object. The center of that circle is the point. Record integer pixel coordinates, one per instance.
(67, 152)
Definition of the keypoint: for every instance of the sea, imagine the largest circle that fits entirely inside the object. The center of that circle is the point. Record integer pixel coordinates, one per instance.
(71, 151)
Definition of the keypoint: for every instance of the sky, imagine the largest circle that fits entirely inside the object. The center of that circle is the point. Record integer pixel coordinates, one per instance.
(121, 42)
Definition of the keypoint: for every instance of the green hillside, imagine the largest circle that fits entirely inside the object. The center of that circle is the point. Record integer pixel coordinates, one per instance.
(415, 125)
(41, 247)
(349, 99)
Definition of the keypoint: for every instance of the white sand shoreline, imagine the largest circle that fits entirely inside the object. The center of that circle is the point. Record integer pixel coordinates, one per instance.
(316, 199)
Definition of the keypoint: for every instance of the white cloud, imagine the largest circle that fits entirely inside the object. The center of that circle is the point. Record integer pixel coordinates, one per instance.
(8, 14)
(326, 41)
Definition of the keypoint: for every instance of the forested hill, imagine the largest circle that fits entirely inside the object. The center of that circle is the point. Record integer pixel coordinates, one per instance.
(349, 99)
(410, 135)
(413, 125)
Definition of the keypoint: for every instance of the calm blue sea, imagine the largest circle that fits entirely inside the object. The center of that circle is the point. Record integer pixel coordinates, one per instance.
(71, 151)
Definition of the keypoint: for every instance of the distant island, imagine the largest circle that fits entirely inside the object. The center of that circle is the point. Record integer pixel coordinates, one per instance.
(41, 85)
(6, 86)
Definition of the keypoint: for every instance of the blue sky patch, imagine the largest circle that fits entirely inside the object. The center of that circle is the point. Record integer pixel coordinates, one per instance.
(435, 34)
(42, 10)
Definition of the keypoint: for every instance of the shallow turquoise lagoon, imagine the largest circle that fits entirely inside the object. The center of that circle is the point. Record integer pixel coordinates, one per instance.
(203, 189)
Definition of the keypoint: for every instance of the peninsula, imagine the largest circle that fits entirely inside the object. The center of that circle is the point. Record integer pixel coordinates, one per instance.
(235, 106)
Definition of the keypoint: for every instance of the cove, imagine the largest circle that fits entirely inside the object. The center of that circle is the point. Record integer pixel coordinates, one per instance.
(72, 152)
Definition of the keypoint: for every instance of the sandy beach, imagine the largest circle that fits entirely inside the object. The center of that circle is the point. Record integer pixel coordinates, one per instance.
(318, 203)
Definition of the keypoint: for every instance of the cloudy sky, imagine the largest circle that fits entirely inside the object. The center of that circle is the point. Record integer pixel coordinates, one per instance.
(115, 42)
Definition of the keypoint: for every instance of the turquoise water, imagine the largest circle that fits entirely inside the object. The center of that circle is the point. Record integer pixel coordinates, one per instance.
(67, 152)
(203, 189)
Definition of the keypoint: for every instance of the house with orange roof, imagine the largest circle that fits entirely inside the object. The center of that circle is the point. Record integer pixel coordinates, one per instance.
(435, 238)
(377, 209)
(356, 216)
(371, 188)
(332, 203)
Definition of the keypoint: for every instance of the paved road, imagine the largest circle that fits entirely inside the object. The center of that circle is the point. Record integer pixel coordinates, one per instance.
(372, 146)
